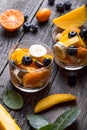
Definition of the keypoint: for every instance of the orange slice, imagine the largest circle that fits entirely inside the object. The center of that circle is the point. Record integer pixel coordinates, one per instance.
(74, 18)
(12, 19)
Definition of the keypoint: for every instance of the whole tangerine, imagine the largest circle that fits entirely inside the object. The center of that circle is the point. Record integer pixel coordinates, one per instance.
(11, 19)
(43, 14)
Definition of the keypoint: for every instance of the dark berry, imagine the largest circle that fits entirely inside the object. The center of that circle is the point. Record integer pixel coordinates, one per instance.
(26, 26)
(47, 61)
(60, 7)
(13, 62)
(83, 33)
(38, 64)
(26, 60)
(72, 50)
(33, 28)
(72, 79)
(51, 2)
(67, 5)
(25, 18)
(72, 34)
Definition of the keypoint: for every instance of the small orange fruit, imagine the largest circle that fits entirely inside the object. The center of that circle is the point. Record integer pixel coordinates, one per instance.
(43, 14)
(11, 19)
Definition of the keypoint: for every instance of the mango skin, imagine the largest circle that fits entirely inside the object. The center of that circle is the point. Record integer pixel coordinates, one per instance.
(52, 100)
(6, 121)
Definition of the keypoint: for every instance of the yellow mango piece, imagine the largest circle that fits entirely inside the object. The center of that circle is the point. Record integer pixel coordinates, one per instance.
(74, 41)
(74, 18)
(17, 56)
(6, 121)
(52, 100)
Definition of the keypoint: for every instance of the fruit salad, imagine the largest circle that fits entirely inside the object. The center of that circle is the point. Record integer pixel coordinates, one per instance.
(30, 68)
(70, 37)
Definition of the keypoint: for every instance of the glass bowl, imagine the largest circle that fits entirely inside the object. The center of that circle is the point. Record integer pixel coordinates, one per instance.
(72, 56)
(30, 65)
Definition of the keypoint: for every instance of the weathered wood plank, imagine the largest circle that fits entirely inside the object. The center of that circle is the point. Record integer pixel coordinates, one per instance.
(58, 82)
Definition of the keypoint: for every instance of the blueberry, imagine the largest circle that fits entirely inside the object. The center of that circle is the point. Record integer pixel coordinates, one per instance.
(51, 2)
(33, 28)
(72, 79)
(72, 34)
(38, 64)
(83, 33)
(60, 7)
(26, 26)
(67, 5)
(72, 50)
(47, 61)
(26, 60)
(25, 18)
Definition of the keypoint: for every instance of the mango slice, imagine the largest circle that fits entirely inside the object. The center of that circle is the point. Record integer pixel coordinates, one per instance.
(6, 121)
(74, 18)
(52, 100)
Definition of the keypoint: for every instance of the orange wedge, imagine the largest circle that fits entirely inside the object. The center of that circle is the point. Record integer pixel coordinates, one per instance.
(11, 19)
(74, 18)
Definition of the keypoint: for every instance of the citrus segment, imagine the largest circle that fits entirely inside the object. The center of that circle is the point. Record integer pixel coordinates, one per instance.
(11, 19)
(52, 100)
(74, 18)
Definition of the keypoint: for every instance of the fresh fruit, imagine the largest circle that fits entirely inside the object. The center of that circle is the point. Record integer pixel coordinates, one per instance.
(26, 60)
(12, 19)
(35, 79)
(72, 79)
(59, 50)
(83, 33)
(26, 26)
(51, 2)
(72, 34)
(37, 51)
(43, 14)
(67, 5)
(47, 61)
(72, 51)
(25, 18)
(74, 18)
(60, 7)
(6, 121)
(17, 56)
(33, 28)
(52, 100)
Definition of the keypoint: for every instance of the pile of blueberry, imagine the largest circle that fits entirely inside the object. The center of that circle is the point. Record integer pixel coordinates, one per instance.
(61, 7)
(27, 26)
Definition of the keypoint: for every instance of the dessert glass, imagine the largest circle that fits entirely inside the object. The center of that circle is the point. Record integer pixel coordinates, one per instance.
(63, 59)
(29, 79)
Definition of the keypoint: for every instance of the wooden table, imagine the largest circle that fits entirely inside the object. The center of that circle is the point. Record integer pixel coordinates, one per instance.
(59, 78)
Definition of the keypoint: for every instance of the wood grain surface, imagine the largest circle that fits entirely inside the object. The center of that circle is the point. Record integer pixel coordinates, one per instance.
(59, 78)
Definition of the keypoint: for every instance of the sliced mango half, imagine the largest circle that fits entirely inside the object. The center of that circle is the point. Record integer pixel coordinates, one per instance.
(74, 18)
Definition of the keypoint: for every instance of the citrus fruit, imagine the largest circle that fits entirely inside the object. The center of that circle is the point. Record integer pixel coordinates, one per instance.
(43, 14)
(11, 19)
(74, 18)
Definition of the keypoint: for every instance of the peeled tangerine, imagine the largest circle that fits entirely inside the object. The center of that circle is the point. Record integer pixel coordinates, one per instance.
(52, 100)
(74, 18)
(6, 121)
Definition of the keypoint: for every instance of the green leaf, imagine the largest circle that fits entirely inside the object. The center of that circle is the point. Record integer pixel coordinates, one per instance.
(66, 119)
(36, 121)
(12, 99)
(47, 127)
